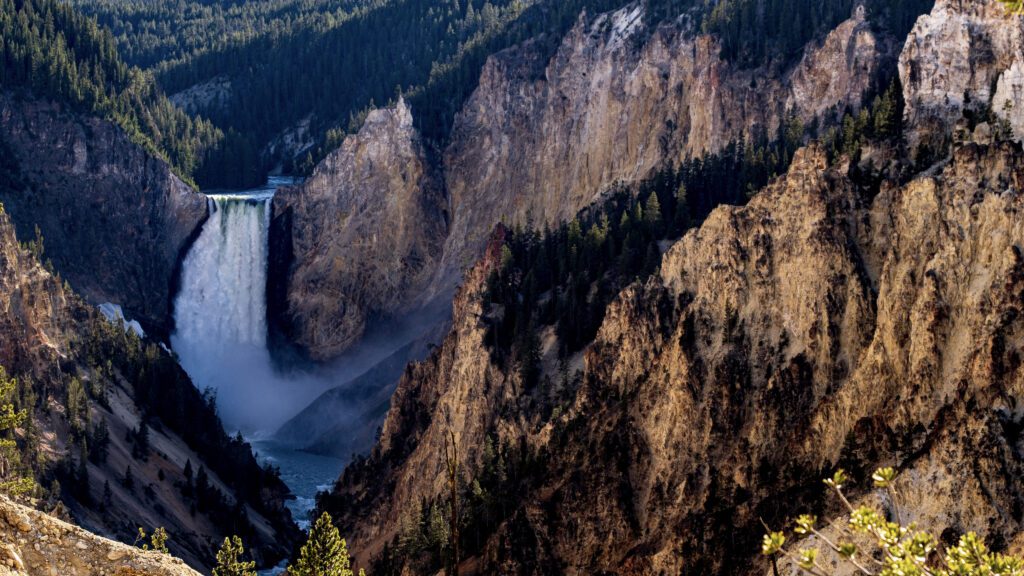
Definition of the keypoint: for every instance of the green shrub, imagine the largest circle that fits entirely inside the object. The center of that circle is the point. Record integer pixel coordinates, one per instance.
(875, 546)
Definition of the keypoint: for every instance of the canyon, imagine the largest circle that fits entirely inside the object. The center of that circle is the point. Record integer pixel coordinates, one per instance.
(542, 137)
(698, 401)
(835, 320)
(862, 309)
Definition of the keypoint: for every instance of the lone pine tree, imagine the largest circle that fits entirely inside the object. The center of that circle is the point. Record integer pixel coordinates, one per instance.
(324, 553)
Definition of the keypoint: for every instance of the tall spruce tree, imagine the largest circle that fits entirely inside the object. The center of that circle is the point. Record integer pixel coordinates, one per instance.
(324, 553)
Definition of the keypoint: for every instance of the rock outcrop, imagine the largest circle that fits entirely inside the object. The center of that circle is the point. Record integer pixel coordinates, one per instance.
(209, 96)
(361, 237)
(966, 56)
(115, 220)
(36, 544)
(817, 326)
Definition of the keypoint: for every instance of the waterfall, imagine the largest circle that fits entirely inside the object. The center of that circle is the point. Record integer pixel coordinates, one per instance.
(222, 303)
(220, 314)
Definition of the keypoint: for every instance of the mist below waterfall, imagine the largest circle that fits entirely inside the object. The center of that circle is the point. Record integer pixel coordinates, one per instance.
(221, 312)
(221, 328)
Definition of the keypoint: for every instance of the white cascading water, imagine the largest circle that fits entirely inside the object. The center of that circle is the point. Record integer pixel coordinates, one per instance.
(220, 315)
(223, 293)
(221, 340)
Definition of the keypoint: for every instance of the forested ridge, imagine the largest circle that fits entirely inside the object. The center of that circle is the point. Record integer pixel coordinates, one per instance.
(51, 50)
(162, 34)
(329, 61)
(431, 50)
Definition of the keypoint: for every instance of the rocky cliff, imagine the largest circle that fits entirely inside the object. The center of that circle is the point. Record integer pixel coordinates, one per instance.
(115, 219)
(966, 56)
(89, 387)
(818, 326)
(360, 237)
(542, 137)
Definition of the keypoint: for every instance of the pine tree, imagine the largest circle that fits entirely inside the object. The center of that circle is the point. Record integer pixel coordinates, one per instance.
(11, 480)
(324, 553)
(652, 214)
(140, 450)
(682, 215)
(108, 495)
(229, 562)
(82, 475)
(99, 441)
(77, 405)
(129, 478)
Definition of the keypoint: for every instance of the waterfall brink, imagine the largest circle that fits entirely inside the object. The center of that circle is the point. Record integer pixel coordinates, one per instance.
(222, 303)
(220, 315)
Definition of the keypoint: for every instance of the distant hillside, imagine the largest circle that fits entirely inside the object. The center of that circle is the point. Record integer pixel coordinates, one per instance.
(52, 51)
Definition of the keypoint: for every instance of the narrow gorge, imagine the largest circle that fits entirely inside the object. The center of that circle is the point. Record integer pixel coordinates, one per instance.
(220, 338)
(530, 287)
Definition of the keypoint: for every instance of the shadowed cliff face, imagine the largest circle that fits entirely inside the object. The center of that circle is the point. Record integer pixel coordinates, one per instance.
(816, 326)
(541, 138)
(115, 219)
(364, 232)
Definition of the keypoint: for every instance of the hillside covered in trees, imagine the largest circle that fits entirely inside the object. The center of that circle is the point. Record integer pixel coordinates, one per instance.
(287, 104)
(50, 50)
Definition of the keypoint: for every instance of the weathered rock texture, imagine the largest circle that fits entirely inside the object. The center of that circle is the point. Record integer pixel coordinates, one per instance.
(816, 326)
(364, 234)
(114, 218)
(34, 543)
(52, 341)
(952, 62)
(542, 137)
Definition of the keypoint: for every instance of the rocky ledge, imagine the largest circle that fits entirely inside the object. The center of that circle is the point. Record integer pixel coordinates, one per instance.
(36, 544)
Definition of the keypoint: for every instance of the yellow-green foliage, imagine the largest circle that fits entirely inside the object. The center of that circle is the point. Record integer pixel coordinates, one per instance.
(1014, 6)
(875, 546)
(12, 482)
(229, 559)
(157, 541)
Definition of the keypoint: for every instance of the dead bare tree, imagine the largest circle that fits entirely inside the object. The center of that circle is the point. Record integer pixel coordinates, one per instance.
(451, 457)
